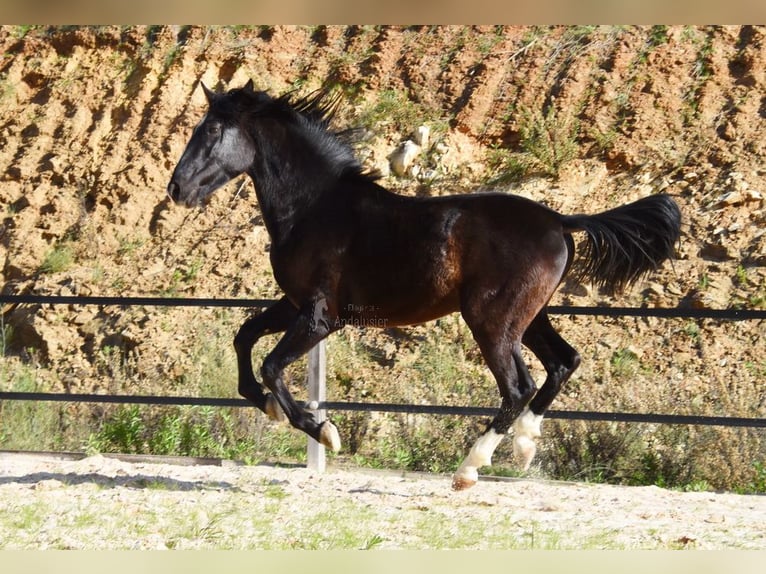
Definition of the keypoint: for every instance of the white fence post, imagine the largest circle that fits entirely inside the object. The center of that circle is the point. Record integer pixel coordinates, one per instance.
(317, 391)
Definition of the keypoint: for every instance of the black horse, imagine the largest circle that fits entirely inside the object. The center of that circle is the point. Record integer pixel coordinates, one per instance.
(346, 251)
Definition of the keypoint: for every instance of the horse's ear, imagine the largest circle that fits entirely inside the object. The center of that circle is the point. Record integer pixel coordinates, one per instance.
(249, 86)
(209, 94)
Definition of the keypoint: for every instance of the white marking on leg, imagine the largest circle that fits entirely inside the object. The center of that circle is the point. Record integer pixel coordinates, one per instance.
(480, 455)
(328, 436)
(525, 429)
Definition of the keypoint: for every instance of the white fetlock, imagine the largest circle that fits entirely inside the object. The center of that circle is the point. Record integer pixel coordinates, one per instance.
(329, 437)
(525, 429)
(274, 411)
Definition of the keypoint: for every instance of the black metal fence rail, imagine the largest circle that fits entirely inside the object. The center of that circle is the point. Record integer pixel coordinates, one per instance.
(133, 301)
(687, 313)
(390, 408)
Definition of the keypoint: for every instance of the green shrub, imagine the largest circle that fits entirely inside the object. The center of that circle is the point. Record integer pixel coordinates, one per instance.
(227, 433)
(27, 425)
(549, 137)
(58, 259)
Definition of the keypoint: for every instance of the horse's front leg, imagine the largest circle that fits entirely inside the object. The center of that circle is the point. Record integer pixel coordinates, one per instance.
(309, 327)
(274, 319)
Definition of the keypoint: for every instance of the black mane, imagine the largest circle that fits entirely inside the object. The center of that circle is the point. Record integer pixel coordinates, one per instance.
(312, 114)
(319, 106)
(318, 109)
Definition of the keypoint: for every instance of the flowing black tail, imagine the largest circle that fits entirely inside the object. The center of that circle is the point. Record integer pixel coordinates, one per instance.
(626, 242)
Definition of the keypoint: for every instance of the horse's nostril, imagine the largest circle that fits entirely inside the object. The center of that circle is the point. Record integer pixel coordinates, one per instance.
(173, 190)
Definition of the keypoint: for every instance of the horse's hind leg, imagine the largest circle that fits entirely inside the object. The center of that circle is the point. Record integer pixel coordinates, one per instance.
(274, 319)
(560, 361)
(503, 357)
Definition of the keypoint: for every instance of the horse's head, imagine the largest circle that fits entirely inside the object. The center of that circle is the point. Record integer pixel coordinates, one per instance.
(219, 149)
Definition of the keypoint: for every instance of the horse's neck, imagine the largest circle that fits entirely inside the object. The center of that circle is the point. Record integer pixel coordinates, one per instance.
(288, 188)
(295, 167)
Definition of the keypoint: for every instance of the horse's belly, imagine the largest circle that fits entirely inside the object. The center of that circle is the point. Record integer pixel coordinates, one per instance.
(399, 299)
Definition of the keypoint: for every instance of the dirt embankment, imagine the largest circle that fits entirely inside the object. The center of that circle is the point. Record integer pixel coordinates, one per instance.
(92, 121)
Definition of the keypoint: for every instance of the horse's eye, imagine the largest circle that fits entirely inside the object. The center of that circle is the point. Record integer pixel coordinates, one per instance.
(213, 130)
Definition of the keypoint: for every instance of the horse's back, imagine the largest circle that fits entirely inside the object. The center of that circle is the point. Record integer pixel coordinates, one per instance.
(385, 224)
(434, 245)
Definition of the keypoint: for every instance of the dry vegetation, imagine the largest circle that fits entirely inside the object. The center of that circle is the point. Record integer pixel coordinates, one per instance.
(582, 118)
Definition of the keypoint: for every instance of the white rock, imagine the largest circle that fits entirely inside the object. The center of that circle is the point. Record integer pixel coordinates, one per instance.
(421, 136)
(403, 156)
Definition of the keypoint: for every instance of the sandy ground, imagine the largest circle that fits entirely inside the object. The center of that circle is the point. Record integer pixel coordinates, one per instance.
(105, 503)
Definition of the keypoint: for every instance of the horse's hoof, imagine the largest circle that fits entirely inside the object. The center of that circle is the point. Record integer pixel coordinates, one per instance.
(274, 411)
(459, 484)
(329, 437)
(524, 449)
(526, 428)
(465, 479)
